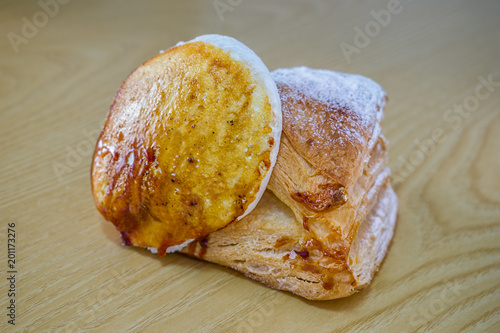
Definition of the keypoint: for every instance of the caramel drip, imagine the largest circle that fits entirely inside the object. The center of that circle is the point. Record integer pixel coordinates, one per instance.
(192, 248)
(330, 196)
(307, 263)
(282, 242)
(204, 246)
(327, 282)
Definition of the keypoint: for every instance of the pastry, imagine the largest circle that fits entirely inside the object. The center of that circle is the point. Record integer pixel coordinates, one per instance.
(326, 221)
(189, 144)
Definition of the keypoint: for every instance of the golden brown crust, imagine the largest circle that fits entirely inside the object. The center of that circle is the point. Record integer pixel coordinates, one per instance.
(187, 144)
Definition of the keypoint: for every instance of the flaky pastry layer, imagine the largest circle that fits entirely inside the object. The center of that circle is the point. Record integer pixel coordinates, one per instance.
(325, 228)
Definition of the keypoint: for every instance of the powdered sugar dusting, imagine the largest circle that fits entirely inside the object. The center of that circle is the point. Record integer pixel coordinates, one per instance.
(356, 94)
(333, 116)
(332, 87)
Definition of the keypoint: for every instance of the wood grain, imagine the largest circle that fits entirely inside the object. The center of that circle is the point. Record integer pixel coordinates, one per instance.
(442, 272)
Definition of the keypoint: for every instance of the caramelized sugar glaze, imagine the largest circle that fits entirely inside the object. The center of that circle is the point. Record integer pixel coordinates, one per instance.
(183, 151)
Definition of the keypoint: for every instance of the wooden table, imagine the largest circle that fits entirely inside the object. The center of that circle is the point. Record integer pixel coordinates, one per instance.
(60, 67)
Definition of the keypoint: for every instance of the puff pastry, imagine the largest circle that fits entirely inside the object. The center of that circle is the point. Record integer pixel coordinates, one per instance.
(322, 227)
(326, 221)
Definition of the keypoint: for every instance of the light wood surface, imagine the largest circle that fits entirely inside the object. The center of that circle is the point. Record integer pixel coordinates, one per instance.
(442, 272)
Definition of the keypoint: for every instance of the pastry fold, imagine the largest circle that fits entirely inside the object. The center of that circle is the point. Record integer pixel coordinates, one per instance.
(323, 226)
